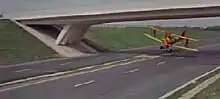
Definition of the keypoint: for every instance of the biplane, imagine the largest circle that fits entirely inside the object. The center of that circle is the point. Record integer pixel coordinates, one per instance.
(170, 40)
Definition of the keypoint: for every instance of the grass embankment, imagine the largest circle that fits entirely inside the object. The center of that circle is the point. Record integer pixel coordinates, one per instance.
(211, 92)
(121, 38)
(180, 92)
(17, 46)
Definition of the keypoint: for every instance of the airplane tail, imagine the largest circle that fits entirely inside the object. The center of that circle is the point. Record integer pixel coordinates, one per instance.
(181, 39)
(183, 35)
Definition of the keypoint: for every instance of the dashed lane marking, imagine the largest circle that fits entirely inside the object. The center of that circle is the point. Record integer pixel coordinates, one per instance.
(67, 63)
(160, 63)
(23, 70)
(85, 83)
(131, 71)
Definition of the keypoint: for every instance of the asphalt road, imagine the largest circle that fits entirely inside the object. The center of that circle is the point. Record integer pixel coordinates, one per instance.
(150, 78)
(39, 68)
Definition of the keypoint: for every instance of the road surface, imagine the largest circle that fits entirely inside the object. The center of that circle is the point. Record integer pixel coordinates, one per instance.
(136, 79)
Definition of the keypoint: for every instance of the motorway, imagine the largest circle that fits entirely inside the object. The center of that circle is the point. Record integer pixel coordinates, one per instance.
(146, 73)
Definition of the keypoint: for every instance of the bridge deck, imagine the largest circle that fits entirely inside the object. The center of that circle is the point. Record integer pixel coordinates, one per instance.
(112, 8)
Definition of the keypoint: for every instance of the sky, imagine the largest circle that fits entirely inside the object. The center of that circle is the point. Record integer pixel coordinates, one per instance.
(17, 6)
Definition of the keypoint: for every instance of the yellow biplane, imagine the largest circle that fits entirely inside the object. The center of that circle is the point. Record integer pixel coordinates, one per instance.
(170, 39)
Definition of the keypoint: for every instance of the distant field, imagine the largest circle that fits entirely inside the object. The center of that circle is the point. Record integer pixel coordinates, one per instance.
(122, 38)
(16, 45)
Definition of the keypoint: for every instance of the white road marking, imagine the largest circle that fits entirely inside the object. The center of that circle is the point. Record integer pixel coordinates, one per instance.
(89, 67)
(56, 76)
(179, 57)
(77, 85)
(131, 71)
(89, 82)
(66, 63)
(85, 83)
(23, 70)
(160, 63)
(130, 62)
(60, 77)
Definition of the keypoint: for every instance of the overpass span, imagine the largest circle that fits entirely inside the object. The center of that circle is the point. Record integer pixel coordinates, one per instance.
(126, 15)
(76, 25)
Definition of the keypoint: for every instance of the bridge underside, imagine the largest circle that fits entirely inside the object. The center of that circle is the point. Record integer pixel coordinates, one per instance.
(73, 28)
(71, 36)
(177, 13)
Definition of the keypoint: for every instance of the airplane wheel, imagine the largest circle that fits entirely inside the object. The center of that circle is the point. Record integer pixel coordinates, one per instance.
(170, 51)
(161, 47)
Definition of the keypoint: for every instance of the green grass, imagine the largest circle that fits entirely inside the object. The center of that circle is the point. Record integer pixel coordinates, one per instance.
(121, 38)
(192, 85)
(17, 46)
(212, 92)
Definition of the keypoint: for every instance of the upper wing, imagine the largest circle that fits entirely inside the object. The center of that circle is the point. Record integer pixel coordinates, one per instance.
(185, 48)
(163, 31)
(154, 38)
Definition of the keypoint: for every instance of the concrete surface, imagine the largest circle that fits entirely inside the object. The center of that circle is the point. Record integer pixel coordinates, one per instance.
(138, 15)
(64, 51)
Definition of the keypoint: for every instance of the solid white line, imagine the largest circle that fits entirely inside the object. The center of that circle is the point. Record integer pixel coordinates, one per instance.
(160, 63)
(23, 70)
(188, 83)
(131, 71)
(89, 67)
(67, 63)
(179, 57)
(191, 93)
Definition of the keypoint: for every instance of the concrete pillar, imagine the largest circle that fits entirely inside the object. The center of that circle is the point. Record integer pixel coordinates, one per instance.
(71, 34)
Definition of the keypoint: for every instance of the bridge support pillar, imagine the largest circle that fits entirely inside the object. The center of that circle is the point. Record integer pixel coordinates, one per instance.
(71, 34)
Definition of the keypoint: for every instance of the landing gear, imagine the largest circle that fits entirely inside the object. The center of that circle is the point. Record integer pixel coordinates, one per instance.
(161, 47)
(167, 48)
(170, 50)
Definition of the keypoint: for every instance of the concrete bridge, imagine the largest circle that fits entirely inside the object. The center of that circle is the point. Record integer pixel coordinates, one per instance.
(75, 25)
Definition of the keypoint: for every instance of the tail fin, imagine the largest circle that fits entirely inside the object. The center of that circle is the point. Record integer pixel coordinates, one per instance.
(183, 34)
(187, 40)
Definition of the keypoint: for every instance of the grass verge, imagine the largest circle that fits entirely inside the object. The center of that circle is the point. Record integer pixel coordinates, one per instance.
(113, 38)
(211, 92)
(18, 46)
(180, 92)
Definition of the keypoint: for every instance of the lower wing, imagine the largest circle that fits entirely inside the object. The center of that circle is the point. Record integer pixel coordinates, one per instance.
(154, 38)
(185, 48)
